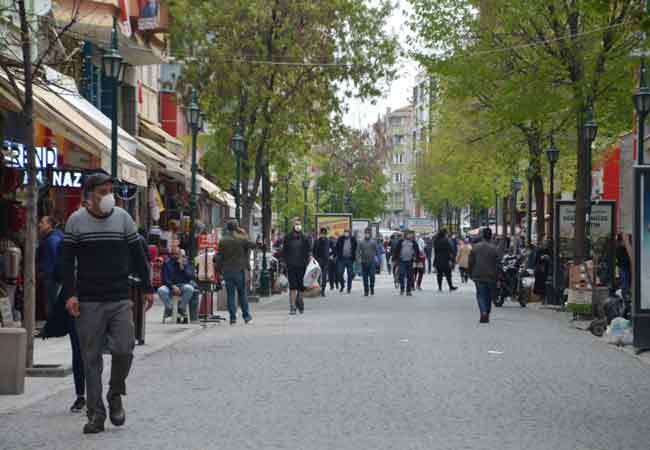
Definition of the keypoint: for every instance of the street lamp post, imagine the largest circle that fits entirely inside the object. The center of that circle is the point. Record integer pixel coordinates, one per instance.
(553, 154)
(195, 121)
(113, 70)
(496, 209)
(590, 130)
(642, 105)
(516, 187)
(238, 149)
(305, 188)
(317, 197)
(530, 175)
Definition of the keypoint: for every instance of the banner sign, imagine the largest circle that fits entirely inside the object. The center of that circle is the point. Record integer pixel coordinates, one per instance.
(602, 227)
(336, 224)
(359, 226)
(420, 225)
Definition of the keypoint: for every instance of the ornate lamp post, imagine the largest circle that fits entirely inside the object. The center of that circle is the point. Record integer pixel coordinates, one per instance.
(496, 208)
(238, 146)
(113, 71)
(642, 105)
(516, 187)
(195, 121)
(286, 203)
(553, 154)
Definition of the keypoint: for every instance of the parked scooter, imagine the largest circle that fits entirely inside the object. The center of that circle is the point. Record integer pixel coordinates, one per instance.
(509, 281)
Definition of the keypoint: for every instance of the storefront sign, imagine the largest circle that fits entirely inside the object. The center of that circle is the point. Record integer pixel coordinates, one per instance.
(15, 155)
(336, 224)
(420, 225)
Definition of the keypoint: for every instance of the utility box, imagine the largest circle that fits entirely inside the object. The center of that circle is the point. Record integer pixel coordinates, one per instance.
(13, 348)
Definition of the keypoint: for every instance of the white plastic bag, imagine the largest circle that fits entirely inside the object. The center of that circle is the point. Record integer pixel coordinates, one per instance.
(312, 274)
(619, 332)
(282, 282)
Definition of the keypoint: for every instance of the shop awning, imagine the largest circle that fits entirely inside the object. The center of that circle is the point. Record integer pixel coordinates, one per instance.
(162, 156)
(63, 118)
(209, 187)
(229, 199)
(155, 133)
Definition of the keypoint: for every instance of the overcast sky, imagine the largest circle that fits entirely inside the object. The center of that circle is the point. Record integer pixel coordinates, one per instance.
(399, 92)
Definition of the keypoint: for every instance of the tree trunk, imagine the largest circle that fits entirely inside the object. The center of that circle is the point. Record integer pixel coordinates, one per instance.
(538, 184)
(582, 179)
(32, 189)
(266, 205)
(505, 211)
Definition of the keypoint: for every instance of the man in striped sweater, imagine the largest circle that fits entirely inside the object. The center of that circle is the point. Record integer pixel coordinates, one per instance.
(101, 248)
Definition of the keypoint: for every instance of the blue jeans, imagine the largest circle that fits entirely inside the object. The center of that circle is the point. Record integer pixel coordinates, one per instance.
(236, 281)
(77, 361)
(187, 291)
(484, 292)
(368, 271)
(406, 275)
(346, 264)
(625, 282)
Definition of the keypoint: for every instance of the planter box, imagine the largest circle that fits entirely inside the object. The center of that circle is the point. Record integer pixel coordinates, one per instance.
(13, 348)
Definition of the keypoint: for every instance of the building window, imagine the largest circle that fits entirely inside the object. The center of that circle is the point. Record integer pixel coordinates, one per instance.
(398, 139)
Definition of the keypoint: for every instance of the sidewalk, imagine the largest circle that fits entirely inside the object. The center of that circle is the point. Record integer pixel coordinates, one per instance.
(57, 351)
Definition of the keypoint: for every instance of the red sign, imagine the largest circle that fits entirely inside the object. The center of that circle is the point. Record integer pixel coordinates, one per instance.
(207, 241)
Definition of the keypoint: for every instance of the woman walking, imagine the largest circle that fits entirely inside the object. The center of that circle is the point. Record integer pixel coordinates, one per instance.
(444, 259)
(418, 267)
(463, 260)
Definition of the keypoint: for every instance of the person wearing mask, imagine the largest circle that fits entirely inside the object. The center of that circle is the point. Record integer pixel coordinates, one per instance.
(322, 252)
(463, 260)
(60, 322)
(231, 262)
(623, 262)
(483, 266)
(444, 259)
(366, 255)
(333, 275)
(346, 250)
(406, 254)
(101, 247)
(48, 250)
(176, 279)
(297, 253)
(428, 250)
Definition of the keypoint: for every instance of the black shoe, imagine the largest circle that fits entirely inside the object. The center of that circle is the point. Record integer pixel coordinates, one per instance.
(292, 310)
(322, 293)
(484, 318)
(233, 321)
(401, 292)
(94, 425)
(409, 294)
(453, 288)
(78, 405)
(341, 290)
(116, 410)
(365, 293)
(349, 290)
(168, 313)
(372, 291)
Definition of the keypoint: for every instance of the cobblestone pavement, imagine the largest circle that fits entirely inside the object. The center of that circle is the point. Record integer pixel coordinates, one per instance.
(383, 372)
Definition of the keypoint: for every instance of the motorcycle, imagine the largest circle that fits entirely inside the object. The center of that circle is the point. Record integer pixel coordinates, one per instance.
(510, 281)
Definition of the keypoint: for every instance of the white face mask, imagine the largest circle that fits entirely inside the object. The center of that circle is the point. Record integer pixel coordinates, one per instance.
(297, 227)
(107, 203)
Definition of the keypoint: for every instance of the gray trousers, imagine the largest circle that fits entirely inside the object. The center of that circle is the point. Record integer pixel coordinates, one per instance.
(98, 324)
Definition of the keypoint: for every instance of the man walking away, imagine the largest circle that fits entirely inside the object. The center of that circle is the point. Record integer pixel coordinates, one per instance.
(232, 262)
(428, 250)
(483, 267)
(366, 255)
(332, 266)
(406, 252)
(346, 250)
(176, 280)
(101, 246)
(297, 253)
(444, 258)
(322, 252)
(394, 244)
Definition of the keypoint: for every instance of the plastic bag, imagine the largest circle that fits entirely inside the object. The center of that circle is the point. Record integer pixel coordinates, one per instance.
(312, 274)
(282, 282)
(619, 332)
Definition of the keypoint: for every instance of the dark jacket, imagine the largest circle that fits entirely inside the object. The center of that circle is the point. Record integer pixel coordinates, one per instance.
(59, 321)
(484, 262)
(444, 253)
(173, 275)
(397, 256)
(48, 252)
(340, 243)
(233, 253)
(322, 249)
(296, 250)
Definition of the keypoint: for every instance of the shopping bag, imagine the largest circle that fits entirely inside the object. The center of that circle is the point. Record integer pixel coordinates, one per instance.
(312, 274)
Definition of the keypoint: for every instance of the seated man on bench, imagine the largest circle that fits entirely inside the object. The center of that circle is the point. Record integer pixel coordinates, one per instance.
(176, 280)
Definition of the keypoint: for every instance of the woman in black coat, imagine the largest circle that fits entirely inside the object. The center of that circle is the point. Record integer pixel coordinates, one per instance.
(443, 261)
